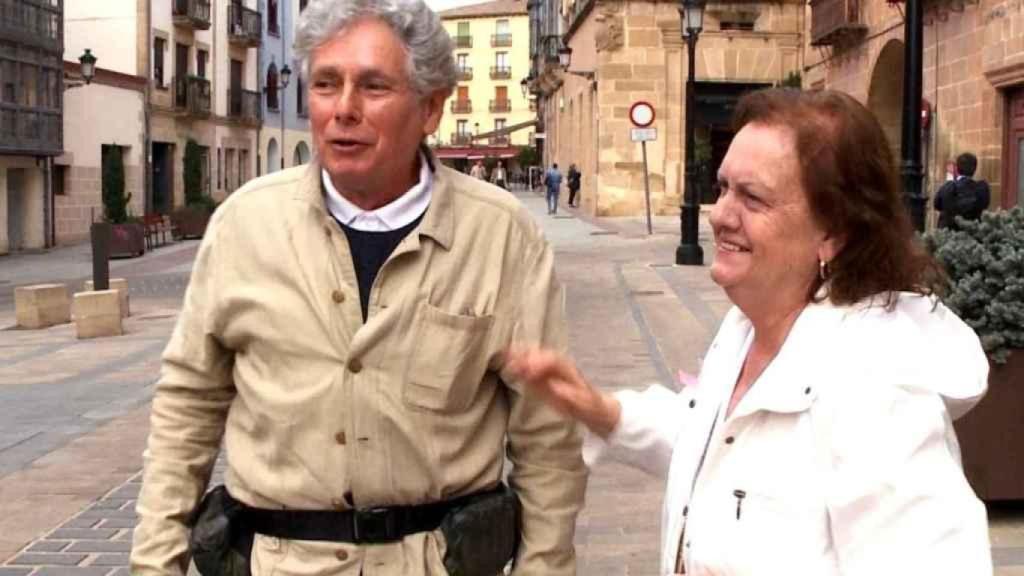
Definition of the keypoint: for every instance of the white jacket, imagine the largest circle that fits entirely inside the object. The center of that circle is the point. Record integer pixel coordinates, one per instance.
(841, 459)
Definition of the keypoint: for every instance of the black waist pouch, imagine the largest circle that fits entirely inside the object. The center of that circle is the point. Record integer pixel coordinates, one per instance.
(219, 544)
(483, 535)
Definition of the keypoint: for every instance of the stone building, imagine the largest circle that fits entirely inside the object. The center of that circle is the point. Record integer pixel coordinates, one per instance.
(624, 51)
(284, 137)
(973, 80)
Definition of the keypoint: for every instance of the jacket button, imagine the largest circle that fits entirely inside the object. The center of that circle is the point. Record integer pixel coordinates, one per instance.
(341, 555)
(693, 403)
(340, 438)
(338, 296)
(807, 390)
(686, 511)
(354, 365)
(730, 440)
(338, 504)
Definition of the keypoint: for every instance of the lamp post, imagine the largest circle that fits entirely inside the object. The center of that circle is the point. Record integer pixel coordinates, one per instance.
(910, 147)
(88, 63)
(286, 78)
(689, 252)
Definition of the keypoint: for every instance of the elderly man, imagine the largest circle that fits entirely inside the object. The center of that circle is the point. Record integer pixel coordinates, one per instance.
(343, 336)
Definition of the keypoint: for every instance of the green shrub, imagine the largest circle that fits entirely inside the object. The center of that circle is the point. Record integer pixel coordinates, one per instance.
(115, 203)
(985, 263)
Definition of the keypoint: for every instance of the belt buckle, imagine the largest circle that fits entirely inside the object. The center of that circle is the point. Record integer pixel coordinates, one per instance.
(374, 526)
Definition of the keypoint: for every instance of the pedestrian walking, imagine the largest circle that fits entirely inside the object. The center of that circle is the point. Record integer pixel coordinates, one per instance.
(342, 337)
(478, 171)
(553, 182)
(573, 177)
(499, 176)
(819, 438)
(962, 196)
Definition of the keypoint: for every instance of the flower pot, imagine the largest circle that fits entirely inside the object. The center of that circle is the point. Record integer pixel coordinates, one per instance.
(992, 435)
(127, 240)
(190, 221)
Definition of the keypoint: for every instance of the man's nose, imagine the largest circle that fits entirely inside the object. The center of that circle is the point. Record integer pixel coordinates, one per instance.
(348, 106)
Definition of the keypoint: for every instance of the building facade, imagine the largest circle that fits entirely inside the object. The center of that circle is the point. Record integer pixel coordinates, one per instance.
(488, 115)
(31, 112)
(627, 51)
(284, 138)
(973, 80)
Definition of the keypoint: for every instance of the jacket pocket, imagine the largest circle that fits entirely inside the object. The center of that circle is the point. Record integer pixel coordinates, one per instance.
(449, 359)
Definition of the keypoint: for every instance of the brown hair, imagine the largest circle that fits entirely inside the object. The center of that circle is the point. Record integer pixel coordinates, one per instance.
(849, 175)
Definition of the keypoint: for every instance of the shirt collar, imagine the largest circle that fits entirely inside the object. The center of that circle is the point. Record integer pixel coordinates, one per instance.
(400, 212)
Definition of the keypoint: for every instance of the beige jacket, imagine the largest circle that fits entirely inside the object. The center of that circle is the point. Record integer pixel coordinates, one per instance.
(317, 410)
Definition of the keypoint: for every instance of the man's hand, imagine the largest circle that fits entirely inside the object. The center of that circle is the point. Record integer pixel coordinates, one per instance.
(560, 384)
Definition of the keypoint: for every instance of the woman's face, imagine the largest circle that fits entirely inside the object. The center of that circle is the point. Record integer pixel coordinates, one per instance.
(767, 244)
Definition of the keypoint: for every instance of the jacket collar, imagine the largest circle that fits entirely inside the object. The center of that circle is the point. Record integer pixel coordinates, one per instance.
(439, 220)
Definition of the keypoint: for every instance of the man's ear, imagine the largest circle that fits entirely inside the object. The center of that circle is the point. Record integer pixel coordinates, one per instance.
(434, 109)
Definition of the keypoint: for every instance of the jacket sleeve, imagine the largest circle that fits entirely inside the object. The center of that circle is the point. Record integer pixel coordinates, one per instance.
(189, 408)
(898, 501)
(984, 196)
(940, 195)
(544, 447)
(646, 433)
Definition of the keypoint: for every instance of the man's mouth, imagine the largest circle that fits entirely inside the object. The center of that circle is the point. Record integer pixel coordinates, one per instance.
(346, 144)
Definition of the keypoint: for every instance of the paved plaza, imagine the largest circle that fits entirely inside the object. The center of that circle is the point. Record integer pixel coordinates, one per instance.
(75, 413)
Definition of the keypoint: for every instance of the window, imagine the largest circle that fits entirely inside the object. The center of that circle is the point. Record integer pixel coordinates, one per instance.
(272, 87)
(462, 127)
(740, 26)
(272, 24)
(462, 94)
(499, 123)
(202, 56)
(59, 175)
(8, 80)
(300, 96)
(501, 60)
(159, 46)
(501, 28)
(462, 60)
(463, 29)
(204, 163)
(218, 169)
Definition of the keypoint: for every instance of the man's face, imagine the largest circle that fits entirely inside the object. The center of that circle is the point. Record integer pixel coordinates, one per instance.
(367, 119)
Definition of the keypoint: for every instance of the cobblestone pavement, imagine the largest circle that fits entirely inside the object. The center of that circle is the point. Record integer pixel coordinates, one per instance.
(70, 457)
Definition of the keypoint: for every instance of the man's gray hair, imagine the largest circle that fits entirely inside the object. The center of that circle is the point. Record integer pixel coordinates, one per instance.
(430, 65)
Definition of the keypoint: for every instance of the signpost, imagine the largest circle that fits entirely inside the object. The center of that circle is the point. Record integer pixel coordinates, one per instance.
(641, 114)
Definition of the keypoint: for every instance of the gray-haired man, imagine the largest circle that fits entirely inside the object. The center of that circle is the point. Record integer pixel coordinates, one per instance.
(342, 335)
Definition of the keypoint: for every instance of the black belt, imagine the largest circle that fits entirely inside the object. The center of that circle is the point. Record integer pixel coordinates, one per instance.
(366, 526)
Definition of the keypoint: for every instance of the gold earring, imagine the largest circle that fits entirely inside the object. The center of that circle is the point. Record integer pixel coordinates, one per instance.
(823, 270)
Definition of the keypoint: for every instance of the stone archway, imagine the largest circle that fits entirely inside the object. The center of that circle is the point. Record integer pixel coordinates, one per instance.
(885, 95)
(301, 155)
(273, 157)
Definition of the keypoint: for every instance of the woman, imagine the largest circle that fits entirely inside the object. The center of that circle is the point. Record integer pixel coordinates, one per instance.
(818, 438)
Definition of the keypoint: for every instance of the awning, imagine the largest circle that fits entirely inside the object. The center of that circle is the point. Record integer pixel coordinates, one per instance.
(475, 152)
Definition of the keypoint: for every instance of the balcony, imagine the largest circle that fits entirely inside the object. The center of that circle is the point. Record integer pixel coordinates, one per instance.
(501, 40)
(501, 72)
(192, 96)
(462, 106)
(30, 130)
(463, 41)
(244, 26)
(499, 140)
(462, 139)
(193, 14)
(244, 106)
(33, 23)
(501, 105)
(465, 73)
(835, 22)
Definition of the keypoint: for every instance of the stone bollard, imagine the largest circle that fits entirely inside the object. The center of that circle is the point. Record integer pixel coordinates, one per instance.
(42, 305)
(97, 314)
(121, 285)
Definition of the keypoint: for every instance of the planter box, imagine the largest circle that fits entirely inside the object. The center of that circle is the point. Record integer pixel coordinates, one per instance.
(190, 222)
(127, 240)
(991, 435)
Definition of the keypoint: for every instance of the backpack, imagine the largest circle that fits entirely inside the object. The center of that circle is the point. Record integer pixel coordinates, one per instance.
(963, 200)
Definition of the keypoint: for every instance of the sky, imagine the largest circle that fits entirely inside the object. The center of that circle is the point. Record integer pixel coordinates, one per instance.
(439, 5)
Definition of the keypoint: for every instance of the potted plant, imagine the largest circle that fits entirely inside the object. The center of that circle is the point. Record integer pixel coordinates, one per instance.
(192, 218)
(985, 264)
(127, 238)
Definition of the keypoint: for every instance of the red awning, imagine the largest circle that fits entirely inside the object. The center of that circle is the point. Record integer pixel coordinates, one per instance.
(475, 153)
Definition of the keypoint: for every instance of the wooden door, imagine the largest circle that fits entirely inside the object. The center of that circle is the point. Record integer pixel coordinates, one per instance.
(1013, 151)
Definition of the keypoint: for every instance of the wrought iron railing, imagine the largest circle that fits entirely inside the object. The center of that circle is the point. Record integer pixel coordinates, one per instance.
(194, 13)
(244, 25)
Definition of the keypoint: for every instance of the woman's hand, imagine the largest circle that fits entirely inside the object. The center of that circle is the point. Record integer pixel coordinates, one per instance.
(562, 386)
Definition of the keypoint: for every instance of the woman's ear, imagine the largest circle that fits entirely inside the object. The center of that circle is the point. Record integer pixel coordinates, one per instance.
(830, 248)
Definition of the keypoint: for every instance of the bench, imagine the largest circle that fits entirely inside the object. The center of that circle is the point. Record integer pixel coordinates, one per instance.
(159, 230)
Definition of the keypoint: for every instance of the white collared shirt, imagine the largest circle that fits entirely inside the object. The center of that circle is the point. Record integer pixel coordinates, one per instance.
(402, 211)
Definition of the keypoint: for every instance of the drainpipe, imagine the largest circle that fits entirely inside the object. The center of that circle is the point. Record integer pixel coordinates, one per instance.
(147, 144)
(259, 90)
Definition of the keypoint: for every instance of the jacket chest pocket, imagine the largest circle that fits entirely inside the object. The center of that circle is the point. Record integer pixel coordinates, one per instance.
(782, 530)
(450, 357)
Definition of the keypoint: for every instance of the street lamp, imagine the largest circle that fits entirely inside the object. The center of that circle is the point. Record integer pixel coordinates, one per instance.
(88, 62)
(565, 59)
(689, 252)
(284, 78)
(524, 85)
(910, 147)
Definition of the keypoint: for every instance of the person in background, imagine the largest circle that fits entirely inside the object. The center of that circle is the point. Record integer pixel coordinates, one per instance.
(499, 176)
(553, 184)
(818, 438)
(573, 177)
(963, 196)
(478, 171)
(342, 336)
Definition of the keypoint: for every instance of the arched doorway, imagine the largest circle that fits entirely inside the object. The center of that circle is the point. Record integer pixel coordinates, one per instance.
(301, 155)
(885, 95)
(273, 157)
